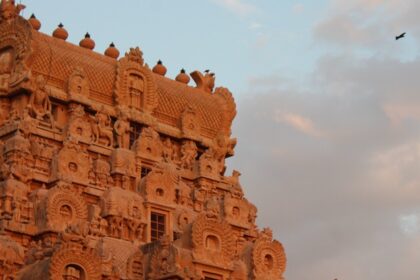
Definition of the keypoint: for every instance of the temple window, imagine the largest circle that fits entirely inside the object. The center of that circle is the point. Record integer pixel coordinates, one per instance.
(211, 276)
(159, 192)
(157, 225)
(66, 213)
(212, 243)
(74, 272)
(268, 262)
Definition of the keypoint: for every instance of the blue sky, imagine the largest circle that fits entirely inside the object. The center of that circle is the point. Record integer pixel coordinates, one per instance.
(266, 37)
(328, 120)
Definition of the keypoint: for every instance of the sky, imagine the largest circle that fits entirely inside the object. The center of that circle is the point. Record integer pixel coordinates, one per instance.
(328, 121)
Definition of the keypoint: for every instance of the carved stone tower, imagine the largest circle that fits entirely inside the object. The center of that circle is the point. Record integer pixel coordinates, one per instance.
(109, 170)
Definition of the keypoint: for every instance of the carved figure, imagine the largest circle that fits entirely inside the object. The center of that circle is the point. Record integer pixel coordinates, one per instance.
(122, 130)
(39, 102)
(101, 128)
(168, 150)
(189, 154)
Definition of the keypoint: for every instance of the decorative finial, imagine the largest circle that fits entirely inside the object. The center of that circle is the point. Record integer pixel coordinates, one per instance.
(60, 32)
(34, 22)
(182, 77)
(112, 51)
(87, 42)
(159, 68)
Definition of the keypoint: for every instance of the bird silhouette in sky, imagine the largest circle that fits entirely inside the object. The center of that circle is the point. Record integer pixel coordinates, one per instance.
(400, 36)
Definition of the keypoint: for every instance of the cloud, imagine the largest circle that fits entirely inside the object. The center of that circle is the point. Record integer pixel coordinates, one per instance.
(255, 26)
(298, 8)
(341, 204)
(238, 7)
(368, 23)
(298, 122)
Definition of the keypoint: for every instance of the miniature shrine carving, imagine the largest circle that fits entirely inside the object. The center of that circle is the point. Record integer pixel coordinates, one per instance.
(109, 170)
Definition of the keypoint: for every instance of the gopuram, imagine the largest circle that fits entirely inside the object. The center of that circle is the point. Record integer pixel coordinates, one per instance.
(110, 170)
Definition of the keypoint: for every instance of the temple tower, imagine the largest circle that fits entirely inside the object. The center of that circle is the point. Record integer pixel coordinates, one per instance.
(110, 170)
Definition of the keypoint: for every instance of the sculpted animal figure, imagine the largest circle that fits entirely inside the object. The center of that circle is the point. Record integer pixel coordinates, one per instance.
(204, 82)
(101, 128)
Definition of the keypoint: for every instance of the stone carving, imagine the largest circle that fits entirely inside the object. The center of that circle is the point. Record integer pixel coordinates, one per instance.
(213, 241)
(78, 85)
(183, 220)
(189, 123)
(208, 164)
(72, 163)
(14, 202)
(124, 213)
(102, 129)
(168, 152)
(183, 194)
(159, 185)
(204, 82)
(10, 10)
(98, 226)
(122, 131)
(15, 49)
(102, 173)
(11, 257)
(136, 266)
(164, 261)
(63, 207)
(4, 109)
(123, 162)
(237, 211)
(39, 103)
(6, 64)
(135, 85)
(268, 257)
(148, 144)
(78, 128)
(189, 154)
(17, 159)
(72, 262)
(225, 98)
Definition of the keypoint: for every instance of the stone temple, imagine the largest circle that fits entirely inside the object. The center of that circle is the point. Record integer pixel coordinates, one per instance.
(110, 170)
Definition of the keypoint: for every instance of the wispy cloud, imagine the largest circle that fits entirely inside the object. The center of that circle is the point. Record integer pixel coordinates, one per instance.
(298, 8)
(238, 7)
(298, 122)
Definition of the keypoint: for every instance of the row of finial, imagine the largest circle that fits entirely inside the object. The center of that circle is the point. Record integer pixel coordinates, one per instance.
(61, 33)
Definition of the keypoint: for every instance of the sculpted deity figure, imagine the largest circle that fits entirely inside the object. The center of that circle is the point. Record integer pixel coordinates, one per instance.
(122, 130)
(101, 128)
(168, 150)
(39, 102)
(189, 153)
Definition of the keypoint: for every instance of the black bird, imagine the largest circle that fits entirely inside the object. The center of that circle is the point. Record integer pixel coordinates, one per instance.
(400, 36)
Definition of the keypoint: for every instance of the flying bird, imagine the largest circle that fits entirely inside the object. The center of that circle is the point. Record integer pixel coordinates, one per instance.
(400, 36)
